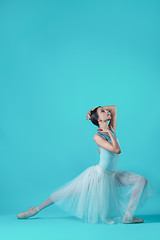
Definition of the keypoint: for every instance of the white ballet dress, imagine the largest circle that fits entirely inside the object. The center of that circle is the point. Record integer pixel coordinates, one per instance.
(102, 193)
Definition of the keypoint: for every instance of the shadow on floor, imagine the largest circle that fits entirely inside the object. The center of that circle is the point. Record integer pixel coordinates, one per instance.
(147, 218)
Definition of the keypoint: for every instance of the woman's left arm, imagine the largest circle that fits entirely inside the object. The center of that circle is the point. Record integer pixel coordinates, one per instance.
(113, 110)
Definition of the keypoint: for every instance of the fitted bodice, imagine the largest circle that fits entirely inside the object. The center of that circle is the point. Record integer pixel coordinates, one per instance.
(108, 160)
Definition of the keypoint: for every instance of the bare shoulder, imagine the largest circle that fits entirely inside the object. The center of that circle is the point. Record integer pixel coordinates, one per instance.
(104, 143)
(97, 138)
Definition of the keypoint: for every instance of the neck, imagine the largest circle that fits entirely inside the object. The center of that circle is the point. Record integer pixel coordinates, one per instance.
(104, 127)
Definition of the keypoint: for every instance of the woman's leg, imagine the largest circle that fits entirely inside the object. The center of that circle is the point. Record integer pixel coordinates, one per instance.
(45, 204)
(34, 210)
(66, 190)
(49, 201)
(63, 191)
(139, 182)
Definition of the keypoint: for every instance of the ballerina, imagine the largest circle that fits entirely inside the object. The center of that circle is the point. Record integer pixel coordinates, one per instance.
(101, 193)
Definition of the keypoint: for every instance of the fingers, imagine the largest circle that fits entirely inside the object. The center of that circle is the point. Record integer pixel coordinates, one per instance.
(99, 130)
(88, 115)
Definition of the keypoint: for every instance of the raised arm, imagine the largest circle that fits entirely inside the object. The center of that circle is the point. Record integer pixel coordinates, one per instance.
(113, 122)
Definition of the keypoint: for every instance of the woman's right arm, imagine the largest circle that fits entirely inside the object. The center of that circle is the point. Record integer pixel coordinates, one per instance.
(114, 141)
(89, 114)
(102, 142)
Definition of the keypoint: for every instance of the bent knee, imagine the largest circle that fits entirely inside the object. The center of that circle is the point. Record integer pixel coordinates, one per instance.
(143, 180)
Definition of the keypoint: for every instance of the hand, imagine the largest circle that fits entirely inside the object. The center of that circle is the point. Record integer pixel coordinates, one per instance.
(89, 114)
(103, 131)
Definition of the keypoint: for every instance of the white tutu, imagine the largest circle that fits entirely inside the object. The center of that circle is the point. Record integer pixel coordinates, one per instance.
(102, 193)
(98, 195)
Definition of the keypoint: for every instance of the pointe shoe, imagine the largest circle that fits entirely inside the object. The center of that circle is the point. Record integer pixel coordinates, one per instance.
(29, 213)
(134, 220)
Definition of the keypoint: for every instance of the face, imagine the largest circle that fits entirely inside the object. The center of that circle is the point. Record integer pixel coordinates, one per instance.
(103, 115)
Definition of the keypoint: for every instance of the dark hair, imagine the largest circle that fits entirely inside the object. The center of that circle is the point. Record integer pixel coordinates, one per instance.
(94, 116)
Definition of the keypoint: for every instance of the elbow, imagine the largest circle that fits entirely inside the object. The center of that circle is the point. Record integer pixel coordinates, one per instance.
(118, 151)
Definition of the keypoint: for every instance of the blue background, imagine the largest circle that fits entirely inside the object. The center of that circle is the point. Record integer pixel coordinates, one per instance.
(58, 60)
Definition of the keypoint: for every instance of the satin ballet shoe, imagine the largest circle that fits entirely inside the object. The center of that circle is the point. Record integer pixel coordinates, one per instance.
(29, 213)
(134, 220)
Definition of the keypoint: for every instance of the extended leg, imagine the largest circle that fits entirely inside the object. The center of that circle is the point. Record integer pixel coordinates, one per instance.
(34, 210)
(45, 204)
(60, 193)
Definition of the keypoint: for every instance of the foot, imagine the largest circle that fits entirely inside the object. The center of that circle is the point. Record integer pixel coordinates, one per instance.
(134, 220)
(29, 213)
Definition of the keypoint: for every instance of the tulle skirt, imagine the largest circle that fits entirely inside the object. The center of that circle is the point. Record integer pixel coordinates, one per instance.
(100, 196)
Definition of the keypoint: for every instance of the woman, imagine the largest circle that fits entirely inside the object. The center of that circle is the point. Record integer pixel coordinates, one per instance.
(101, 193)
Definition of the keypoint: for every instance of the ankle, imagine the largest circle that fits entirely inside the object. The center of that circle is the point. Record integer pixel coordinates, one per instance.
(127, 218)
(37, 208)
